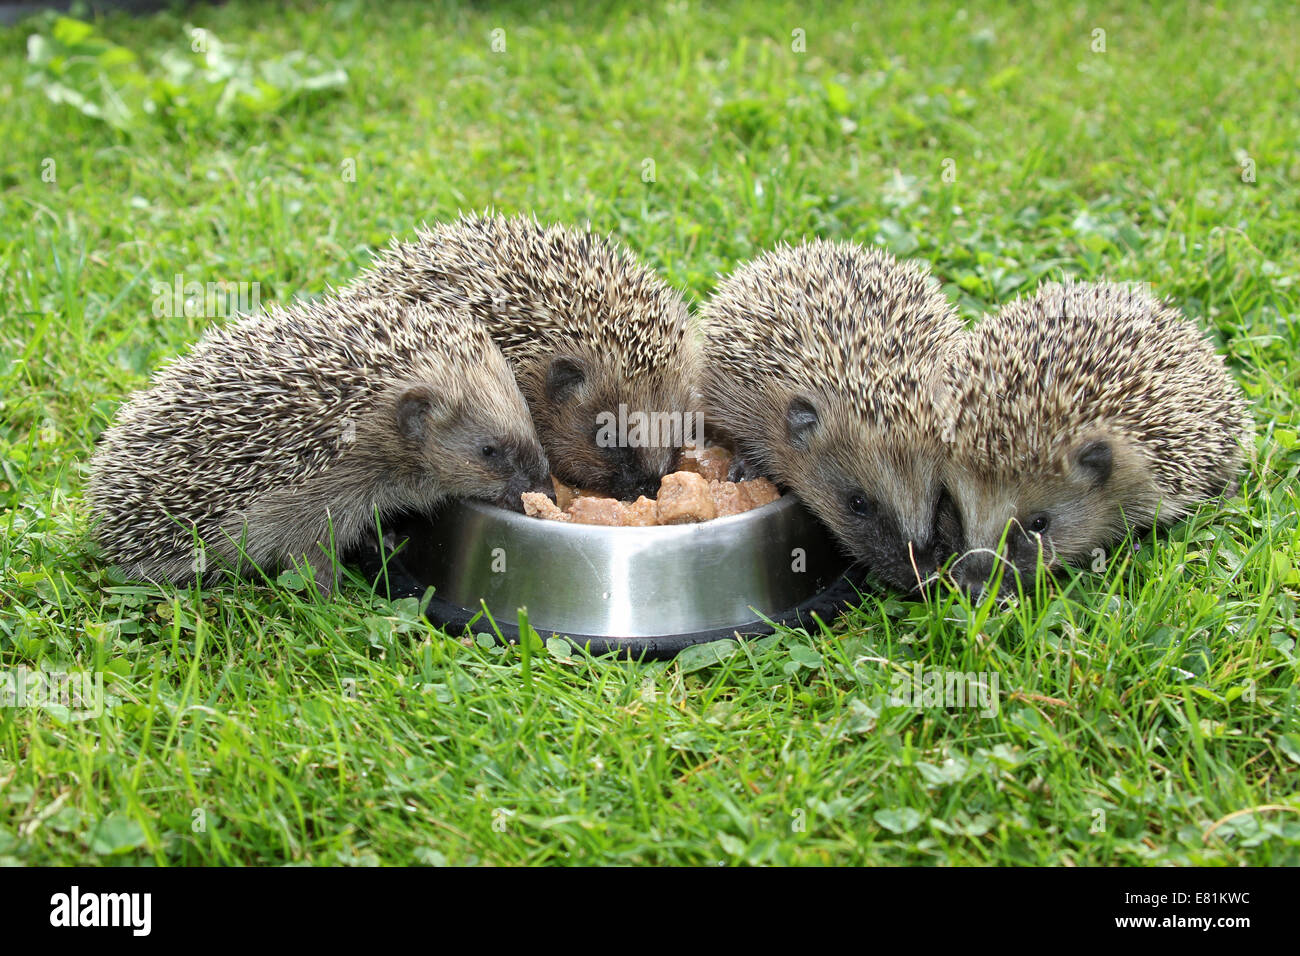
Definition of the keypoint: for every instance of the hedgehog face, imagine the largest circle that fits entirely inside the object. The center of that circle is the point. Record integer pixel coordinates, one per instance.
(881, 497)
(473, 447)
(599, 432)
(1068, 515)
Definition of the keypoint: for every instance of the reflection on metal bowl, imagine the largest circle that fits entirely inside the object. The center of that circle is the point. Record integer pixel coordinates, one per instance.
(652, 590)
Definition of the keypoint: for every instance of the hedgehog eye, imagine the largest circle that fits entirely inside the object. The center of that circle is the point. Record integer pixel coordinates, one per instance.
(1038, 523)
(859, 505)
(488, 451)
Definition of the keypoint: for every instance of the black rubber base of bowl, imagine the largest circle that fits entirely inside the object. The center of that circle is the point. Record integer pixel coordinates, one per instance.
(846, 592)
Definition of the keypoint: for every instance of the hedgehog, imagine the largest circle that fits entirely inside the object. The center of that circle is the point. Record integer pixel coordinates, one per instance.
(596, 339)
(824, 363)
(1083, 411)
(281, 437)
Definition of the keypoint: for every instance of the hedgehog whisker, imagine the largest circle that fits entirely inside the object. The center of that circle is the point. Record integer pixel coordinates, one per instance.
(997, 556)
(938, 575)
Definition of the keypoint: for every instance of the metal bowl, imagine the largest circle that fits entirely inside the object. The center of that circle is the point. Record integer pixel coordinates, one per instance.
(658, 588)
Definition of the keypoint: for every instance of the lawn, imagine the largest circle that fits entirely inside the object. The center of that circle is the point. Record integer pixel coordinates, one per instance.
(1147, 710)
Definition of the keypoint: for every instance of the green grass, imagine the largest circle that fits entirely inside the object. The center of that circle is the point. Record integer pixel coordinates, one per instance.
(1138, 707)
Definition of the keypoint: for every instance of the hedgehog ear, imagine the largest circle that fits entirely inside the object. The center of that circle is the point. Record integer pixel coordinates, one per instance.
(801, 421)
(1097, 460)
(564, 377)
(417, 407)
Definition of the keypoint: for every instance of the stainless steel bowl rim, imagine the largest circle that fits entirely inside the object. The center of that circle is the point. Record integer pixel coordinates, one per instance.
(632, 582)
(509, 517)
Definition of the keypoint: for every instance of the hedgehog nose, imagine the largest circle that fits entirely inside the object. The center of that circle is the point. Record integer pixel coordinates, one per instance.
(648, 489)
(918, 570)
(527, 481)
(973, 584)
(533, 470)
(972, 572)
(546, 487)
(520, 482)
(631, 483)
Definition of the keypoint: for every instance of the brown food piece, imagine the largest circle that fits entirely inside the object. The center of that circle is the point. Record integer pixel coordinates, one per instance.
(689, 459)
(540, 506)
(758, 492)
(609, 511)
(566, 495)
(684, 497)
(711, 462)
(563, 493)
(642, 513)
(727, 498)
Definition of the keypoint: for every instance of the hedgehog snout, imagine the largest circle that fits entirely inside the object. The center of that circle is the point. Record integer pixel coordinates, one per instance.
(649, 488)
(633, 477)
(511, 497)
(972, 571)
(524, 468)
(627, 486)
(527, 479)
(540, 486)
